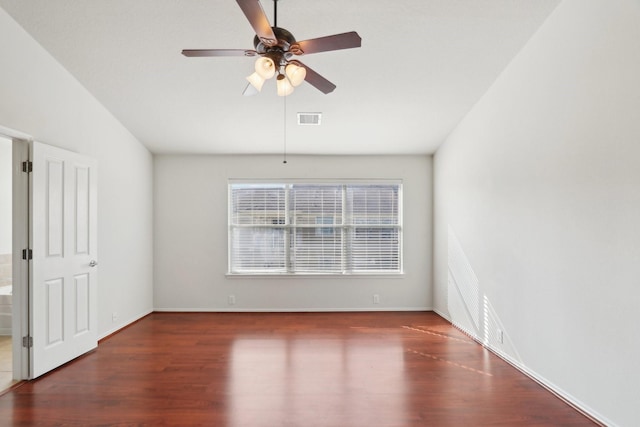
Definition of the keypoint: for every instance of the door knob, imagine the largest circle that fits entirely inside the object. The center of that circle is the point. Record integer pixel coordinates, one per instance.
(93, 263)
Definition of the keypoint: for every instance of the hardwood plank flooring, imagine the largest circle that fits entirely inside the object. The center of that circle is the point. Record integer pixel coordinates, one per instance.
(287, 369)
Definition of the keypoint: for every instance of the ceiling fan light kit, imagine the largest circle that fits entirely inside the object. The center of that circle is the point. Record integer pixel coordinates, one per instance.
(275, 47)
(265, 67)
(283, 85)
(295, 73)
(256, 81)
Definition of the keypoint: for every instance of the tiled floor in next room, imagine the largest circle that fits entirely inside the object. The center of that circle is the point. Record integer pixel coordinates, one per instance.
(6, 366)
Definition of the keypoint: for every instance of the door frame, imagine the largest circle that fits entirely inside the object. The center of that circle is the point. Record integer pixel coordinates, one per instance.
(20, 241)
(22, 309)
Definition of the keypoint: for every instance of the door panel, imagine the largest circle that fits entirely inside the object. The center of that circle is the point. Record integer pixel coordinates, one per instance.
(63, 284)
(83, 310)
(55, 314)
(54, 206)
(82, 197)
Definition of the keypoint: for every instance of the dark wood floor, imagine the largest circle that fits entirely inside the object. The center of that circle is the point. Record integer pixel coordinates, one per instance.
(305, 369)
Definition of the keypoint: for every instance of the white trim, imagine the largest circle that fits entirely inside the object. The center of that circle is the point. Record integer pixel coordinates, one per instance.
(381, 275)
(20, 226)
(122, 326)
(328, 181)
(14, 134)
(444, 316)
(281, 275)
(577, 404)
(288, 310)
(572, 401)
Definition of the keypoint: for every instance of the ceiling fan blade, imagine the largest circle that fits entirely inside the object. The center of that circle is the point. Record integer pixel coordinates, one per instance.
(323, 44)
(316, 80)
(255, 14)
(218, 52)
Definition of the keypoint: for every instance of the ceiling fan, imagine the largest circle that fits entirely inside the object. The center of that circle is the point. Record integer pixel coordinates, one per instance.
(275, 48)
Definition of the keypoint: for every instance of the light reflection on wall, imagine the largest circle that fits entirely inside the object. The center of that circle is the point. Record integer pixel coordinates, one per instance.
(311, 381)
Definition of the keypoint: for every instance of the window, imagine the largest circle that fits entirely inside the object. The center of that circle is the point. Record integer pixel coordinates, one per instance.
(314, 228)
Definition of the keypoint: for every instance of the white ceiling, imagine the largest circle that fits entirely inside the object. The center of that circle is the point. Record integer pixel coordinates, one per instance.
(421, 67)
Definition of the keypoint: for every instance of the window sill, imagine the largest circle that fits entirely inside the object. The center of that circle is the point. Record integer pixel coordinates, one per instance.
(314, 276)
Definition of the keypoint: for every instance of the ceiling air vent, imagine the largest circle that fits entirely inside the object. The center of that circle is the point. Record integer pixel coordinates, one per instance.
(309, 118)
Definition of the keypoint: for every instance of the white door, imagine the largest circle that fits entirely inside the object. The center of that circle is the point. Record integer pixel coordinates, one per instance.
(63, 274)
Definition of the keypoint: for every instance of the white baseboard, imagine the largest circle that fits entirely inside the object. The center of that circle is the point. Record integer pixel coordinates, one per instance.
(444, 316)
(551, 387)
(124, 325)
(287, 310)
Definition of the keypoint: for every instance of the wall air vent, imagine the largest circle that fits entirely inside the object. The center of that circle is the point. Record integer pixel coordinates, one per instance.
(309, 118)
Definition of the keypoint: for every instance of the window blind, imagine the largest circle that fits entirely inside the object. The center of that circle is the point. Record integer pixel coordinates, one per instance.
(256, 239)
(374, 235)
(316, 241)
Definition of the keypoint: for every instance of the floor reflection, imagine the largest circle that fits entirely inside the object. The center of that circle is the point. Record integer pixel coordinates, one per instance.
(316, 381)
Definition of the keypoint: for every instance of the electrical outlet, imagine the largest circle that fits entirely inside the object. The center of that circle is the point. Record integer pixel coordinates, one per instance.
(500, 336)
(376, 299)
(114, 316)
(232, 300)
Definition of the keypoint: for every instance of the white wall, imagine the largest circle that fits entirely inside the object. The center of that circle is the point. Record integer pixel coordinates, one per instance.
(537, 196)
(191, 236)
(40, 98)
(5, 196)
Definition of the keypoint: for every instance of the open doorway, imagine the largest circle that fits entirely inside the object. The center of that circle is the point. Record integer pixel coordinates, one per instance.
(65, 182)
(6, 264)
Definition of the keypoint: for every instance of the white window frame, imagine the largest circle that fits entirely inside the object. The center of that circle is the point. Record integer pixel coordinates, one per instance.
(290, 229)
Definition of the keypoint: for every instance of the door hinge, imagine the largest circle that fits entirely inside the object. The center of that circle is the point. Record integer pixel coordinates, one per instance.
(27, 254)
(27, 166)
(27, 341)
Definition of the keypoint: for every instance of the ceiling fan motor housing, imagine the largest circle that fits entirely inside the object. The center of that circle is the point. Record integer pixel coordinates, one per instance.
(282, 50)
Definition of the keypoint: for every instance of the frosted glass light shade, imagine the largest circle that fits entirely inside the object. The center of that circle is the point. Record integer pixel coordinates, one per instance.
(256, 81)
(265, 67)
(284, 86)
(295, 73)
